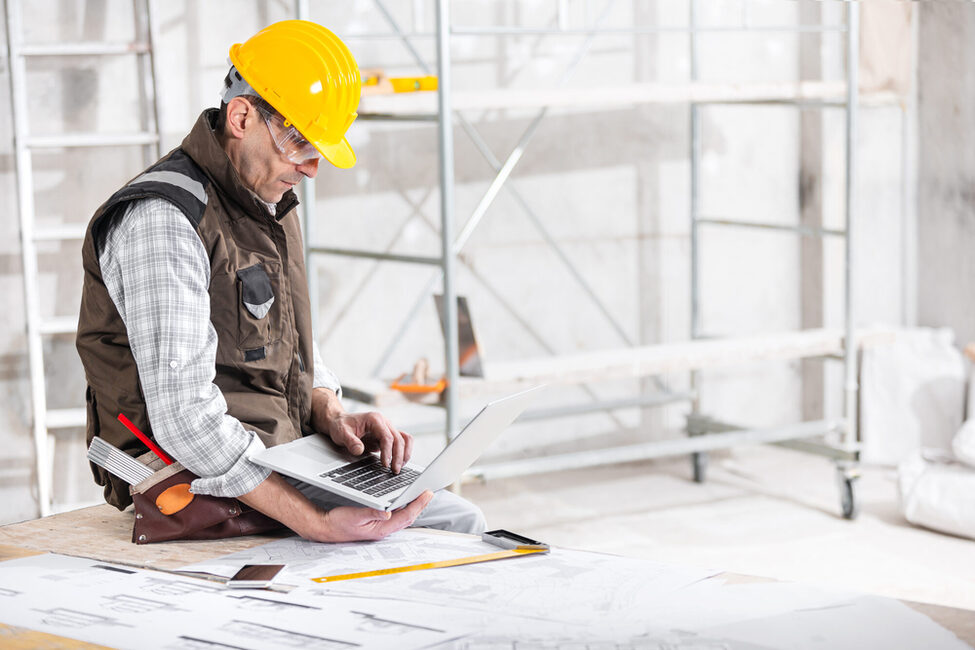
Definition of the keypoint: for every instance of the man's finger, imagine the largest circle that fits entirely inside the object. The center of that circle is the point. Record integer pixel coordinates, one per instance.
(352, 442)
(397, 454)
(396, 460)
(383, 433)
(367, 517)
(343, 432)
(407, 446)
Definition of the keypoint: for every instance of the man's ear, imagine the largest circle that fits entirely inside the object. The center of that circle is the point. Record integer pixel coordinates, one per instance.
(238, 110)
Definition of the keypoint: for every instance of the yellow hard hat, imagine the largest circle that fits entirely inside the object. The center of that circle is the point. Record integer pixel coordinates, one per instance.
(309, 76)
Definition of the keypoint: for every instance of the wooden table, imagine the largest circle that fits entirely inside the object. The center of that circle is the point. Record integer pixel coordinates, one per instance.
(103, 533)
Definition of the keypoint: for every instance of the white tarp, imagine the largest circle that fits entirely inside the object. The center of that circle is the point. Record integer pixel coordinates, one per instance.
(912, 395)
(937, 484)
(938, 494)
(963, 445)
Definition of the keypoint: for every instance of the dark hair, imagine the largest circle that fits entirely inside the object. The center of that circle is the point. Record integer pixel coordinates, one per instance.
(232, 79)
(221, 124)
(257, 102)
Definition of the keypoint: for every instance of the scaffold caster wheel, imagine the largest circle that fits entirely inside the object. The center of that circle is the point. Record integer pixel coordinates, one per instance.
(848, 500)
(699, 461)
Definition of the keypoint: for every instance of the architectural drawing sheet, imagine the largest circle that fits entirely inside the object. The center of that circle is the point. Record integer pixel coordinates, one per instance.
(567, 598)
(863, 622)
(129, 608)
(561, 601)
(304, 559)
(560, 571)
(587, 587)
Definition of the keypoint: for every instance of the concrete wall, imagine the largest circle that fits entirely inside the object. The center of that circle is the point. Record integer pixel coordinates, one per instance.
(946, 178)
(612, 188)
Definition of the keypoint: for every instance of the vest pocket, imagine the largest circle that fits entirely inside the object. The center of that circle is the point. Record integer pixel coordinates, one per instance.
(256, 297)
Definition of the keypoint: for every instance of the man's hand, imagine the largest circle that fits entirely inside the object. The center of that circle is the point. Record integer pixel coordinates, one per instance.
(351, 523)
(277, 498)
(360, 432)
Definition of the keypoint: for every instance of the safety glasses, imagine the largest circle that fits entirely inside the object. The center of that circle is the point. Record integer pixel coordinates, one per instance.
(286, 137)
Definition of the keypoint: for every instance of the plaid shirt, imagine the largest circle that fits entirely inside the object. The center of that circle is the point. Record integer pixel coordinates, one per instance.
(157, 273)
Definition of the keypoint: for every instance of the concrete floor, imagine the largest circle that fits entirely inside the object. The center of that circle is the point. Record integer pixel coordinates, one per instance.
(764, 511)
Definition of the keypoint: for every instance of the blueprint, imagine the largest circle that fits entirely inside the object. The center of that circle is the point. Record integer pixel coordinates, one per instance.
(586, 586)
(564, 600)
(854, 624)
(130, 608)
(304, 560)
(575, 599)
(521, 584)
(861, 622)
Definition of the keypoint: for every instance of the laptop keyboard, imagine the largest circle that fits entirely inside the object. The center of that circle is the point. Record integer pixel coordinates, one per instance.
(368, 475)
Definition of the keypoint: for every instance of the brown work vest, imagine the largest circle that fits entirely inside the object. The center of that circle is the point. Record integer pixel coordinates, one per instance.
(258, 303)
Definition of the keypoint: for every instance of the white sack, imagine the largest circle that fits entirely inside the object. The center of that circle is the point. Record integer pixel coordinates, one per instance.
(912, 395)
(964, 443)
(970, 398)
(940, 496)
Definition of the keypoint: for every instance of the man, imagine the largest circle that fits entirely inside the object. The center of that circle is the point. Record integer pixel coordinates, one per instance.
(195, 320)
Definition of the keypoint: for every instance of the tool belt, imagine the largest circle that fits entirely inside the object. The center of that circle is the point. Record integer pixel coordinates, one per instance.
(166, 510)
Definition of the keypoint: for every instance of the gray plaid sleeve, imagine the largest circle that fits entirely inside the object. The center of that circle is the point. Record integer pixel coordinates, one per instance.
(324, 378)
(157, 273)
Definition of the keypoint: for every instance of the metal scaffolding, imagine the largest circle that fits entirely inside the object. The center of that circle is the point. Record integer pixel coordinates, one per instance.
(706, 434)
(45, 420)
(447, 112)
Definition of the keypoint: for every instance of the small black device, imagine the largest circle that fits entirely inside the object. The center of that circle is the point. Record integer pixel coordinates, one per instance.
(509, 540)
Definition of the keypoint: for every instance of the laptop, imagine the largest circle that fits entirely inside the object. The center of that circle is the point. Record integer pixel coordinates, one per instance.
(316, 460)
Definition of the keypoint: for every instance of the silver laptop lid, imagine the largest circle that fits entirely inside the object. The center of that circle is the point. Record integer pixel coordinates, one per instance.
(468, 445)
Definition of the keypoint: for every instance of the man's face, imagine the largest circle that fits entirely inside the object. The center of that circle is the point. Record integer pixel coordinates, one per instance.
(261, 165)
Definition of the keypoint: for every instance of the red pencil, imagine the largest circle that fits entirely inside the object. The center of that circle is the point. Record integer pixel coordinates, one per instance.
(144, 438)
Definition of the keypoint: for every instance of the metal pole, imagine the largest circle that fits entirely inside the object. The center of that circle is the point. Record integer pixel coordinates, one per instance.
(151, 81)
(657, 449)
(463, 30)
(472, 31)
(503, 172)
(343, 311)
(562, 14)
(699, 459)
(907, 269)
(852, 96)
(308, 215)
(418, 16)
(804, 231)
(446, 142)
(376, 255)
(405, 39)
(549, 239)
(909, 184)
(515, 156)
(695, 145)
(311, 266)
(25, 204)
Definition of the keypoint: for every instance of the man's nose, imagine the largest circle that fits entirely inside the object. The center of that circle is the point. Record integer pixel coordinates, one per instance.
(309, 167)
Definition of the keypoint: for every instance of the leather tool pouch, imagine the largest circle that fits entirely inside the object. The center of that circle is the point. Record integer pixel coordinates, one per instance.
(166, 510)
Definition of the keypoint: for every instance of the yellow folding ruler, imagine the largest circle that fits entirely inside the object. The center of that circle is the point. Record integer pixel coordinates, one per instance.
(514, 545)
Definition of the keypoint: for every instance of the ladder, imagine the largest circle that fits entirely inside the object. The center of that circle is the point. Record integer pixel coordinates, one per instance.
(45, 420)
